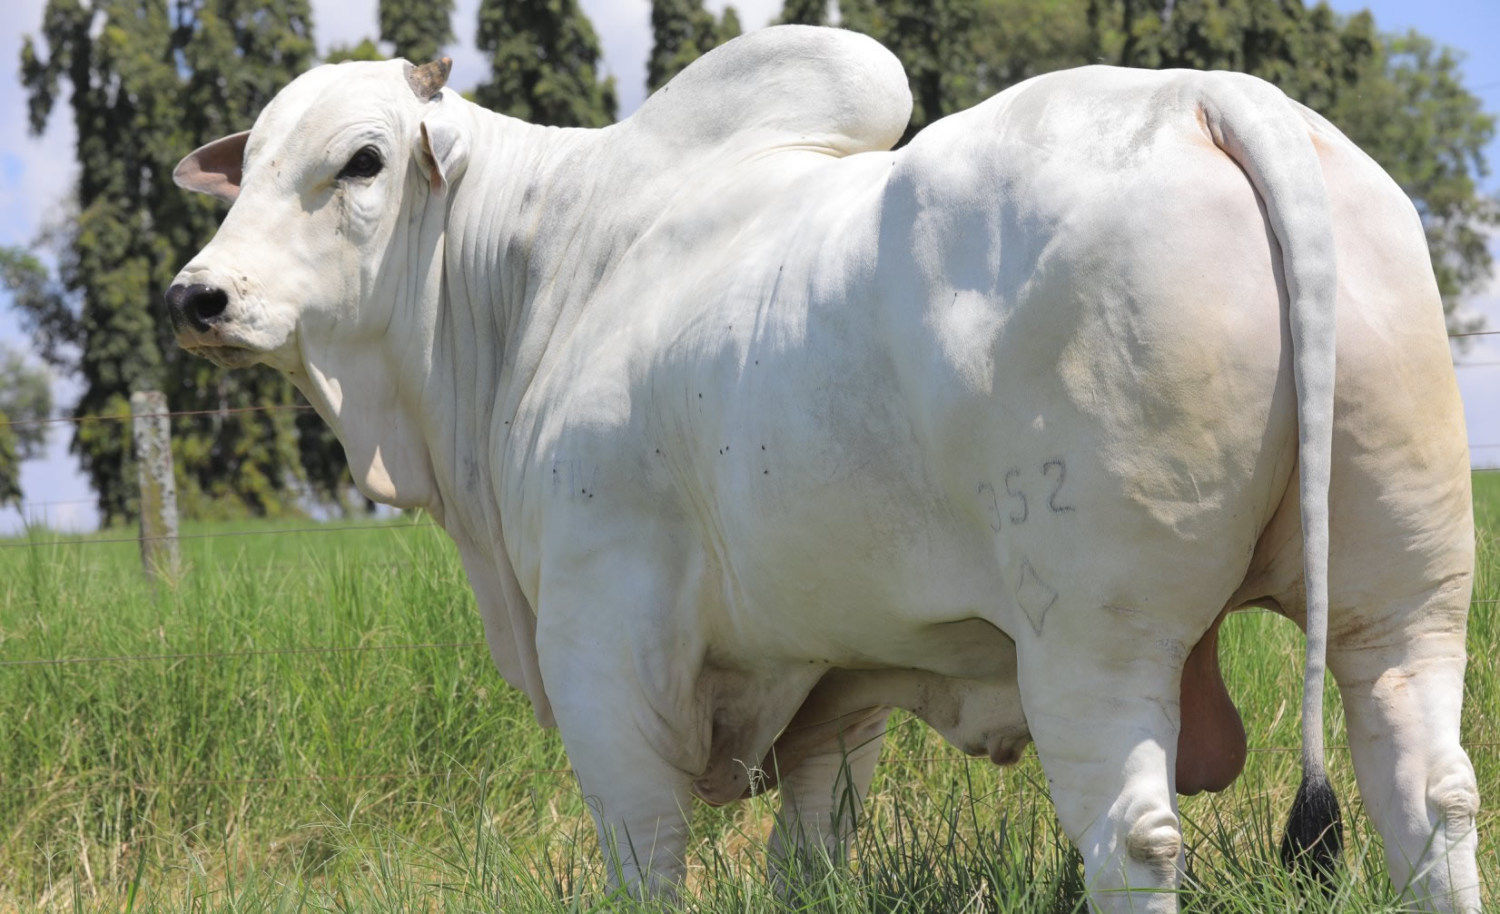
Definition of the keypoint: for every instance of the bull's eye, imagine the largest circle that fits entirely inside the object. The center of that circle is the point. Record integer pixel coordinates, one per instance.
(363, 164)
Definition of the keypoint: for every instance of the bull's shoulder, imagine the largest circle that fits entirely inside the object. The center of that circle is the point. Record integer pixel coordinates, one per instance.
(821, 88)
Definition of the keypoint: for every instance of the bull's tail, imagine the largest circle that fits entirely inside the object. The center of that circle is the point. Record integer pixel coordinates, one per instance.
(1262, 131)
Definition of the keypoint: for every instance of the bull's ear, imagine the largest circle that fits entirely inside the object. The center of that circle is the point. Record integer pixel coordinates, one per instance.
(444, 149)
(215, 168)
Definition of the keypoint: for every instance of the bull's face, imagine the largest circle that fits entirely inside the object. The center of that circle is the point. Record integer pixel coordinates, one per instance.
(323, 189)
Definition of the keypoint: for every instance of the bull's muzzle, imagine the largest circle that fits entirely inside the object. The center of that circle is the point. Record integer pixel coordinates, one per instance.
(196, 305)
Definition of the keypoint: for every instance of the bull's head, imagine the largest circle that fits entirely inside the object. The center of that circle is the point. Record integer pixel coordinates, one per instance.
(331, 246)
(319, 189)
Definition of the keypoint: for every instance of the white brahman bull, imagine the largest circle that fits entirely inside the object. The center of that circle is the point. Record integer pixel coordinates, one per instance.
(747, 428)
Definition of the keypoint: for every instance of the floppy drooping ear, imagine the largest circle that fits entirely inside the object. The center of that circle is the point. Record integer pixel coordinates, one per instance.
(443, 149)
(215, 168)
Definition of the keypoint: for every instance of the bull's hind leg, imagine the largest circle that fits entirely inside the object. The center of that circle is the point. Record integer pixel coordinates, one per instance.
(823, 795)
(1401, 680)
(1400, 577)
(1401, 590)
(1103, 706)
(1400, 573)
(1401, 563)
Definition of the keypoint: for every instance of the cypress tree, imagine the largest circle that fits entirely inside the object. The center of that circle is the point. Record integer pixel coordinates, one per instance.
(544, 61)
(418, 29)
(25, 398)
(148, 82)
(682, 31)
(804, 12)
(936, 43)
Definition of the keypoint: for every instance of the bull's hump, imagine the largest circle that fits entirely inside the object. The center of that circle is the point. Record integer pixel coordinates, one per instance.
(801, 86)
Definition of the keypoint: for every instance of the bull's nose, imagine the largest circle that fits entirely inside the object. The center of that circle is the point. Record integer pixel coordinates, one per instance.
(197, 304)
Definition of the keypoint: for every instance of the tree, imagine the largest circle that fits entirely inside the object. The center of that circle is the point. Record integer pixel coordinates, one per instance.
(147, 83)
(934, 40)
(417, 29)
(681, 32)
(25, 400)
(729, 25)
(1015, 40)
(1399, 97)
(1417, 120)
(365, 50)
(544, 61)
(804, 12)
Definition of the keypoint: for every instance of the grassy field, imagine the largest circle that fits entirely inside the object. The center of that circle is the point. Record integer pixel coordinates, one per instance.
(308, 722)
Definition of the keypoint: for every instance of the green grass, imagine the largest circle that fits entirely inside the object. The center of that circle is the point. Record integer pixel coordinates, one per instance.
(392, 774)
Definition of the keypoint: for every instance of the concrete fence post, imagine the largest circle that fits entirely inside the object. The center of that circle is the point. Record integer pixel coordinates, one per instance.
(153, 455)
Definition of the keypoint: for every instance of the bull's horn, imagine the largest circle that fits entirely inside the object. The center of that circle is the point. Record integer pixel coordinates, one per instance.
(427, 79)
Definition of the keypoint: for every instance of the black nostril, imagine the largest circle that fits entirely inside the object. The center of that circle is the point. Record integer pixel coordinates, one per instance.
(197, 304)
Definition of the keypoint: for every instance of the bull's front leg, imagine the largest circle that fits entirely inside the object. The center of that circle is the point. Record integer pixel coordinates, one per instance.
(632, 741)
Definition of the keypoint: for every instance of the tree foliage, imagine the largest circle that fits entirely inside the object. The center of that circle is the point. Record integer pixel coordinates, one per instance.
(544, 63)
(804, 12)
(417, 29)
(25, 398)
(681, 32)
(935, 40)
(365, 50)
(146, 82)
(1399, 97)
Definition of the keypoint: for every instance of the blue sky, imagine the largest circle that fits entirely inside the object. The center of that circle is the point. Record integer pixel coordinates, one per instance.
(35, 174)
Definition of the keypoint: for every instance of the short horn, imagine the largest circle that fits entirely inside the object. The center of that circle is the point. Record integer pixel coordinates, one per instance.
(427, 79)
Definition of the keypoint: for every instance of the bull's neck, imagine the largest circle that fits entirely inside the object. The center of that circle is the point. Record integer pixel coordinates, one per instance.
(500, 300)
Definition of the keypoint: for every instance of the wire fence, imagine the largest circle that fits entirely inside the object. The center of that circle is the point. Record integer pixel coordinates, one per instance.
(223, 411)
(255, 652)
(271, 780)
(278, 531)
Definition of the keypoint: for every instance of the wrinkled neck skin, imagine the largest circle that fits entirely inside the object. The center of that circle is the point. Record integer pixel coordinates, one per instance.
(424, 405)
(421, 403)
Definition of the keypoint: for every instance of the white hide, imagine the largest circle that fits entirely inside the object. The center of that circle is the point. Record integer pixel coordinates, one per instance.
(725, 399)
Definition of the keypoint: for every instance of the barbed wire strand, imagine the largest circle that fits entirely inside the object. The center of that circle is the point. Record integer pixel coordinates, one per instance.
(228, 411)
(307, 778)
(21, 544)
(253, 652)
